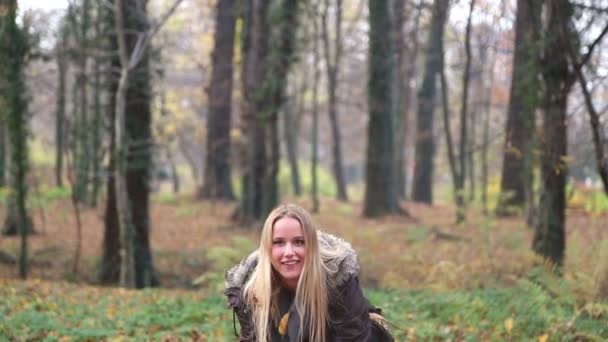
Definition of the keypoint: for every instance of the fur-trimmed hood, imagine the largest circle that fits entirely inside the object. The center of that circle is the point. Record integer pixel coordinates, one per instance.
(346, 263)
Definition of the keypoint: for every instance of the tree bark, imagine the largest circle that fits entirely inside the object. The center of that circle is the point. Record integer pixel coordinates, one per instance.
(97, 125)
(268, 56)
(290, 135)
(315, 115)
(109, 271)
(549, 237)
(398, 80)
(486, 112)
(283, 44)
(13, 50)
(134, 141)
(62, 69)
(82, 154)
(217, 183)
(255, 47)
(422, 190)
(381, 196)
(410, 65)
(520, 118)
(333, 67)
(464, 113)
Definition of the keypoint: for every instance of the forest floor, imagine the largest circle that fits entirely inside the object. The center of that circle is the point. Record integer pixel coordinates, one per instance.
(434, 279)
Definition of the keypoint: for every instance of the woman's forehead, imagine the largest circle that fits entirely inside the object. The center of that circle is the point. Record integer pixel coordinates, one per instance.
(287, 226)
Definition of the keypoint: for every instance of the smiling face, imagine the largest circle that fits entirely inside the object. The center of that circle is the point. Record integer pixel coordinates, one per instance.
(288, 250)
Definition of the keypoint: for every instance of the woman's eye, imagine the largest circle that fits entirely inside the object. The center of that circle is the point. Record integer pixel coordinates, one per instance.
(277, 242)
(299, 243)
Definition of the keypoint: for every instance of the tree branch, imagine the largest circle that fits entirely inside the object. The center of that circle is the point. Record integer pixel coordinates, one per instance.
(587, 56)
(594, 121)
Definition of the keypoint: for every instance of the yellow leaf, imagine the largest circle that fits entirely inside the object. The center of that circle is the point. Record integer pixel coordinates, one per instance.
(509, 325)
(283, 324)
(543, 338)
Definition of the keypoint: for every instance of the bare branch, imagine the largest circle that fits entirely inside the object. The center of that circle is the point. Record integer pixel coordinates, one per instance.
(591, 7)
(590, 49)
(598, 134)
(144, 38)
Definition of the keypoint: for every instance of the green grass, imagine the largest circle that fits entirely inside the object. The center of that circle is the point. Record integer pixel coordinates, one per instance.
(56, 311)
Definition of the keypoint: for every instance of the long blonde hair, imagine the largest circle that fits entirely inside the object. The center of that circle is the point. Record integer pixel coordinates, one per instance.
(311, 299)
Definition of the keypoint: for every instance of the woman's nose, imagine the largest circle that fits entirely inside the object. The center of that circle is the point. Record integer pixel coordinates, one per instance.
(288, 249)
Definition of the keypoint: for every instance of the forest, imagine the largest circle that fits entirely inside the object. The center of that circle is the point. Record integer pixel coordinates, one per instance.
(460, 146)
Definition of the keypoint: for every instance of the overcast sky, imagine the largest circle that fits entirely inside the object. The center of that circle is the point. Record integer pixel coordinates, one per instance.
(43, 4)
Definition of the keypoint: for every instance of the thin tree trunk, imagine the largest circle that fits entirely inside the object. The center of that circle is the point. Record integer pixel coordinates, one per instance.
(487, 112)
(3, 143)
(290, 134)
(109, 271)
(408, 90)
(62, 69)
(333, 65)
(398, 80)
(422, 190)
(315, 115)
(597, 131)
(97, 128)
(174, 176)
(460, 183)
(82, 155)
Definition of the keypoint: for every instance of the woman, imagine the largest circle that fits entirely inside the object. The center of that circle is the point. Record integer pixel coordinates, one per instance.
(301, 285)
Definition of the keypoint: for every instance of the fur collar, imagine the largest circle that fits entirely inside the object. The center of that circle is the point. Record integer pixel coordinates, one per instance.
(346, 263)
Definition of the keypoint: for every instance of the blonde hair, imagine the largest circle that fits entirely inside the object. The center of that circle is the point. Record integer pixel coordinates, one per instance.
(311, 298)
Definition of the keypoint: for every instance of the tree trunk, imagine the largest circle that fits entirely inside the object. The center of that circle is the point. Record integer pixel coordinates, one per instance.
(283, 43)
(290, 135)
(109, 271)
(255, 47)
(133, 145)
(174, 175)
(82, 154)
(462, 172)
(381, 196)
(315, 116)
(549, 237)
(3, 142)
(520, 118)
(268, 56)
(97, 125)
(62, 69)
(13, 51)
(333, 65)
(410, 66)
(422, 190)
(398, 80)
(217, 182)
(487, 90)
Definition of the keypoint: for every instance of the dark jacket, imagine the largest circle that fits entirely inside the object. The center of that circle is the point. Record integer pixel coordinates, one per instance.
(348, 308)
